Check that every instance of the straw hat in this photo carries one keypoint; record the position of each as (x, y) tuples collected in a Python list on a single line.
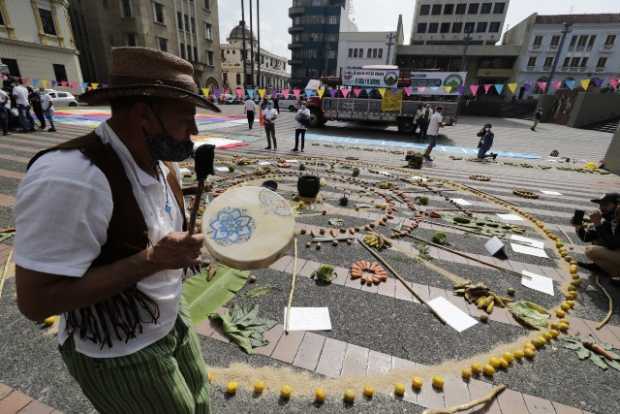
[(139, 71)]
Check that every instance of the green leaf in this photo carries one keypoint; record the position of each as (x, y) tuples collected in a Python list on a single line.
[(572, 346), (324, 274), (598, 361), (204, 297), (529, 314), (243, 326), (261, 291), (583, 353), (614, 365)]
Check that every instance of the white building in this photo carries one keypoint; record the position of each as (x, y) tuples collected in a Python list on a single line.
[(591, 49), (274, 70), (359, 49), (448, 22), (36, 40)]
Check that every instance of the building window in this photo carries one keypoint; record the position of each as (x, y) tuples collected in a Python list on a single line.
[(584, 62), (575, 62), (445, 28), (196, 58), (609, 42), (482, 27), (582, 41), (60, 72), (421, 27), (186, 18), (208, 4), (375, 53), (548, 62), (158, 13), (425, 10), (432, 28), (193, 25), (380, 53), (555, 41), (494, 27), (448, 9), (126, 8), (436, 11), (182, 50), (189, 53), (573, 41), (355, 53), (131, 39), (1, 19), (12, 65), (499, 8), (238, 79), (592, 41), (369, 53), (469, 27), (602, 62), (163, 44), (461, 8), (47, 21), (360, 53), (486, 8), (457, 27), (350, 52), (210, 58), (566, 62), (179, 20), (473, 8), (531, 62), (209, 31), (538, 41)]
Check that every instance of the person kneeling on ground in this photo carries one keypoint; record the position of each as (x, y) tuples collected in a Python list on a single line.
[(605, 235), (486, 142)]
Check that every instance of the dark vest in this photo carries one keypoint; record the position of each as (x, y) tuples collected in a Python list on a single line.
[(127, 235)]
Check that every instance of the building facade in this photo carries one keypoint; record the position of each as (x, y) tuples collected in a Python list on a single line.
[(274, 69), (591, 49), (359, 49), (36, 40), (186, 28), (453, 22), (315, 29)]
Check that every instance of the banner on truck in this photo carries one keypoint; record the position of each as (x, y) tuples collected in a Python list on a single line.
[(437, 83), (375, 78)]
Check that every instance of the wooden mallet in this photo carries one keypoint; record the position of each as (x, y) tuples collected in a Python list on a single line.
[(204, 158)]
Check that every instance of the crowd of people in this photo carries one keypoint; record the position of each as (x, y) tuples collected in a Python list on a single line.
[(18, 103)]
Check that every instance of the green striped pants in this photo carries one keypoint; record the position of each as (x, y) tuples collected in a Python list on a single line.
[(169, 376)]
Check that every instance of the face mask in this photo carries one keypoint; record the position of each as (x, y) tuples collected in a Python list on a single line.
[(487, 129), (165, 148)]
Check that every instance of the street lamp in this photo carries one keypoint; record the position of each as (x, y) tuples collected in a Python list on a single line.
[(565, 31), (467, 40)]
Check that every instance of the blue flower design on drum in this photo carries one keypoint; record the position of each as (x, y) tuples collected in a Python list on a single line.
[(232, 226)]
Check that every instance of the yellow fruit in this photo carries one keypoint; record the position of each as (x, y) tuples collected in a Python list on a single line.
[(231, 388), (539, 342), (503, 363), (573, 269), (488, 370), (529, 353), (286, 392), (519, 354), (259, 387), (547, 336), (576, 282), (559, 244), (416, 383), (368, 392), (570, 303), (554, 333), (495, 362), (564, 325), (571, 288), (438, 382), (571, 295), (399, 390), (508, 356), (565, 306), (560, 314), (210, 377), (50, 321), (466, 374), (319, 395), (476, 368), (529, 344), (349, 396)]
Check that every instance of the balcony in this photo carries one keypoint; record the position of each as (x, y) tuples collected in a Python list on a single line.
[(295, 45), (295, 29), (607, 48), (553, 47), (296, 11), (536, 46), (600, 68)]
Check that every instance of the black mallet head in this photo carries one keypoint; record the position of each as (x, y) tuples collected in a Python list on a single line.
[(204, 158)]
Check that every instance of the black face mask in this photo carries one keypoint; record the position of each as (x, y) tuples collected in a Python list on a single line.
[(165, 148)]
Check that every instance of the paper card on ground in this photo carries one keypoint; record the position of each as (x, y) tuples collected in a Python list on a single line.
[(309, 319), (221, 169), (540, 283), (461, 202), (493, 246), (452, 314), (539, 244), (264, 163), (532, 251), (553, 193), (510, 217), (292, 161)]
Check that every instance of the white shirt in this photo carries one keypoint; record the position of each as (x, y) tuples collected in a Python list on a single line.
[(270, 114), (304, 111), (4, 99), (250, 105), (50, 240), (433, 127), (46, 101), (21, 95)]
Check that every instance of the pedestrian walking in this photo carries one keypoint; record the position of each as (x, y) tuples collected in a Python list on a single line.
[(419, 113), (35, 101), (424, 121), (276, 103), (250, 110), (486, 142), (20, 93), (537, 118), (270, 115), (47, 106), (5, 111), (303, 121), (435, 123)]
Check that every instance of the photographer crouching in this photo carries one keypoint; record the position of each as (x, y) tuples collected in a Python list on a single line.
[(604, 234)]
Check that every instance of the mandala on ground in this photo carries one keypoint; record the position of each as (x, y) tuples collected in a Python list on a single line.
[(275, 204), (232, 226)]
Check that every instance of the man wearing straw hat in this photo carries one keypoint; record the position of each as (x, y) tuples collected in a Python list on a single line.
[(102, 241)]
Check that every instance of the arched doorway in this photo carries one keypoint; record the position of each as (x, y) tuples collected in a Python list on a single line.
[(211, 83)]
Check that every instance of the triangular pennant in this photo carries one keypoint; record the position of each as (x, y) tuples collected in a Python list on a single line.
[(527, 86), (542, 86), (285, 93), (556, 84), (585, 84), (571, 84), (461, 90), (487, 87), (381, 92), (251, 93), (45, 83), (83, 85), (474, 89), (239, 91), (310, 92), (499, 88), (262, 92), (368, 91), (93, 85), (435, 88), (614, 83), (408, 90), (597, 82), (297, 93), (206, 91), (320, 92), (217, 92), (512, 87), (332, 92), (35, 82), (447, 89), (26, 80), (357, 91)]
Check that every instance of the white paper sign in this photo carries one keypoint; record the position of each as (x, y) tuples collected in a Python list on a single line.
[(452, 314), (553, 193), (540, 283), (539, 244), (264, 163), (292, 161), (493, 246), (461, 202), (309, 319), (532, 251), (222, 169), (510, 217)]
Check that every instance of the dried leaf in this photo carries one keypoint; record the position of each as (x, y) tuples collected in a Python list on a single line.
[(572, 346), (243, 326), (614, 364), (583, 353), (598, 361), (529, 314)]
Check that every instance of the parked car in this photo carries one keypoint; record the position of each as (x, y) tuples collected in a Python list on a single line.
[(289, 102), (62, 98)]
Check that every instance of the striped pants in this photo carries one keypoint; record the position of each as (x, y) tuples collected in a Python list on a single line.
[(168, 377)]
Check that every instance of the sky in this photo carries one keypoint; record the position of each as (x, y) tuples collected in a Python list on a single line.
[(275, 21)]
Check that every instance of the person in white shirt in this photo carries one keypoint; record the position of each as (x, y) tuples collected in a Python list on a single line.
[(5, 108), (303, 120), (250, 110), (270, 115), (20, 92), (436, 122), (47, 106)]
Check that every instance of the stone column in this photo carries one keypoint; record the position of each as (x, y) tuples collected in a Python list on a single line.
[(612, 159)]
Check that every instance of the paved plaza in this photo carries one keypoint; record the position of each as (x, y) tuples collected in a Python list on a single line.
[(381, 334)]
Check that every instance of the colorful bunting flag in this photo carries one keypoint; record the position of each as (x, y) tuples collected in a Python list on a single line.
[(499, 88), (542, 86), (598, 82), (487, 87), (614, 83), (422, 89), (93, 85), (408, 91), (461, 90), (512, 87), (262, 92), (571, 84), (474, 89), (297, 93), (357, 91), (368, 91), (251, 93), (285, 92), (585, 84), (310, 92), (217, 92), (206, 91), (556, 84), (239, 91), (345, 91), (382, 92)]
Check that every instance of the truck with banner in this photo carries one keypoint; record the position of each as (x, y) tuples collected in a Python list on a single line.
[(377, 94)]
